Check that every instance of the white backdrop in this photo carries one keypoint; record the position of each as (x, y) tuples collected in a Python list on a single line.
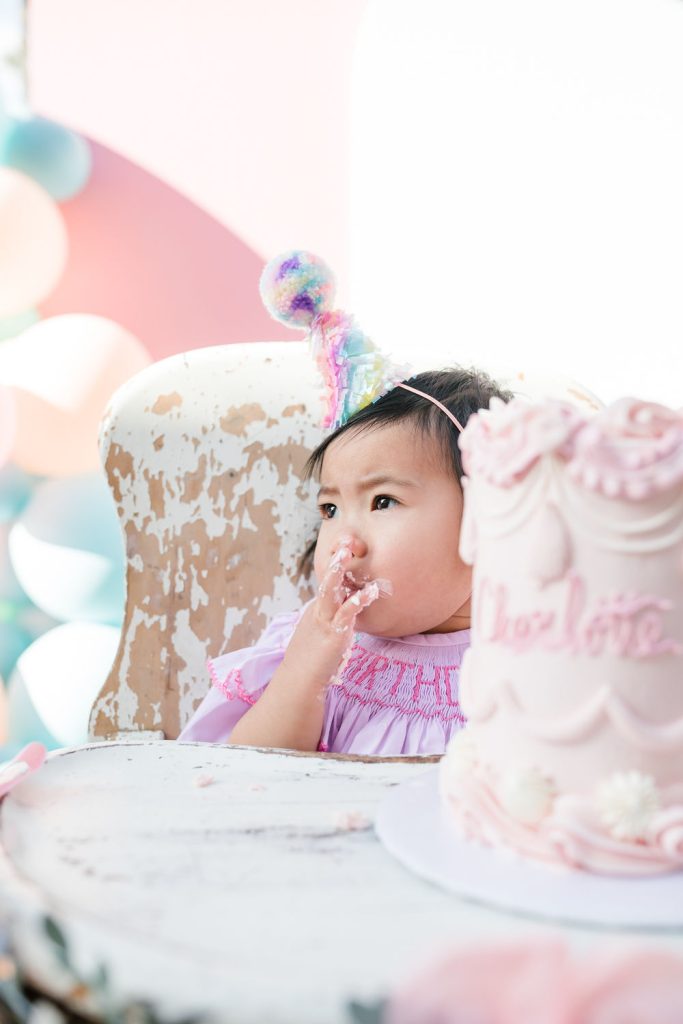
[(517, 186)]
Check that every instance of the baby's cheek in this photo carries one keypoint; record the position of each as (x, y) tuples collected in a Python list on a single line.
[(318, 570)]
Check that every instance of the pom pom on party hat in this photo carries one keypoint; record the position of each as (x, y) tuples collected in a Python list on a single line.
[(298, 289)]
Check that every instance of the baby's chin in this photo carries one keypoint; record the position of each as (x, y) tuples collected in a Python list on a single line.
[(378, 621)]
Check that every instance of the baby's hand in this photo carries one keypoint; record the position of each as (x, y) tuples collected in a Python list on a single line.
[(325, 633), (340, 597)]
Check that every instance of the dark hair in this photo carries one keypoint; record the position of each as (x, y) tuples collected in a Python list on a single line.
[(463, 392)]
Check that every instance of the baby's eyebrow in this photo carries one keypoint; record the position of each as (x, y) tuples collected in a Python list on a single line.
[(380, 479), (368, 483), (327, 491)]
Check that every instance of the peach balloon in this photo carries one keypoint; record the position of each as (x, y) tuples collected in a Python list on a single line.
[(7, 424), (62, 372), (34, 243), (3, 713)]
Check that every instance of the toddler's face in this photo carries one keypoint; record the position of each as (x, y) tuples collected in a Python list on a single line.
[(388, 495)]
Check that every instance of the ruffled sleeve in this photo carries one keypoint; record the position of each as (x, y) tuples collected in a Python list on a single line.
[(237, 681)]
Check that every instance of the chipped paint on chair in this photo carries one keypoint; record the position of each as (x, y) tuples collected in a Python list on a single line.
[(204, 454)]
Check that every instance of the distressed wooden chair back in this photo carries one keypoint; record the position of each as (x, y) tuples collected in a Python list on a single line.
[(204, 454)]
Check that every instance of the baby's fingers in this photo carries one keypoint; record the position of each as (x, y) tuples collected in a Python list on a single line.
[(346, 616), (332, 592)]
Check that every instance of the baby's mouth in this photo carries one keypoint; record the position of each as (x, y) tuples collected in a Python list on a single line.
[(351, 585)]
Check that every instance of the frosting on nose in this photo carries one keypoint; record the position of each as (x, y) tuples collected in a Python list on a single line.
[(347, 544)]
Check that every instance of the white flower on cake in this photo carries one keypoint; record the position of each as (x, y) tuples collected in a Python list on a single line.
[(527, 795), (627, 802), (460, 759)]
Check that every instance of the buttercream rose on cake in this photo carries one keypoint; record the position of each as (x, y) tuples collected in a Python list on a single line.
[(501, 443), (632, 449)]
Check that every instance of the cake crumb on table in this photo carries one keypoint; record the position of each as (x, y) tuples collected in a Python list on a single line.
[(200, 781), (352, 821)]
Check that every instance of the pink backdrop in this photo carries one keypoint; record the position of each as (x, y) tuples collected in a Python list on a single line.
[(223, 136), (150, 259)]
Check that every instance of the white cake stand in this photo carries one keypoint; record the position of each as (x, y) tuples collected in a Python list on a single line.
[(413, 826)]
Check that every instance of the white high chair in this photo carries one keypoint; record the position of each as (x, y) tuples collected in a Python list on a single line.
[(204, 454)]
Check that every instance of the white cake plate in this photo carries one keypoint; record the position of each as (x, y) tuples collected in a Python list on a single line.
[(413, 826)]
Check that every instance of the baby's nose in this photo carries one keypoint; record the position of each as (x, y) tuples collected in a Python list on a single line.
[(352, 543)]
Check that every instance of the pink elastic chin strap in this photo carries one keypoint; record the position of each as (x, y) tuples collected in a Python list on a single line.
[(434, 401)]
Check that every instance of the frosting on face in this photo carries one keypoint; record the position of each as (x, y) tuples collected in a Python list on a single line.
[(631, 449)]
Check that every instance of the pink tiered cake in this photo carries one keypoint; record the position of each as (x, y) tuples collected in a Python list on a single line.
[(573, 686)]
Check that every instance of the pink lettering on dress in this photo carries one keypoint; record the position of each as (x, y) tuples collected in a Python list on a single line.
[(402, 666), (450, 698), (375, 680), (370, 670), (420, 681)]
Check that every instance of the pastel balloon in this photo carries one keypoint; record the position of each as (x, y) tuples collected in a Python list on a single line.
[(10, 326), (24, 724), (34, 243), (34, 621), (62, 673), (14, 639), (55, 157), (3, 712), (8, 423), (15, 491), (64, 371), (10, 589), (67, 550)]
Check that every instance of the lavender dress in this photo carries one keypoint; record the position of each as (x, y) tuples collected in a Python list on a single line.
[(395, 696)]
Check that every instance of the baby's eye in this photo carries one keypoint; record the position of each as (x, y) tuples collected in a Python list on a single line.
[(327, 510), (382, 501)]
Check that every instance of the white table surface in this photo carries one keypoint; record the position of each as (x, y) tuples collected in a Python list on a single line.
[(249, 898)]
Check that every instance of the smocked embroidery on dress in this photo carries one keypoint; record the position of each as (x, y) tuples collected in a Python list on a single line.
[(395, 695), (402, 686)]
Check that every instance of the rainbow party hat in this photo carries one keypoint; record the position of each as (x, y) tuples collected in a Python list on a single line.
[(298, 290)]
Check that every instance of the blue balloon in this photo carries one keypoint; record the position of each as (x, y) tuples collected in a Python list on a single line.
[(12, 595), (67, 550), (13, 641), (15, 491), (52, 155), (24, 724), (63, 672)]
